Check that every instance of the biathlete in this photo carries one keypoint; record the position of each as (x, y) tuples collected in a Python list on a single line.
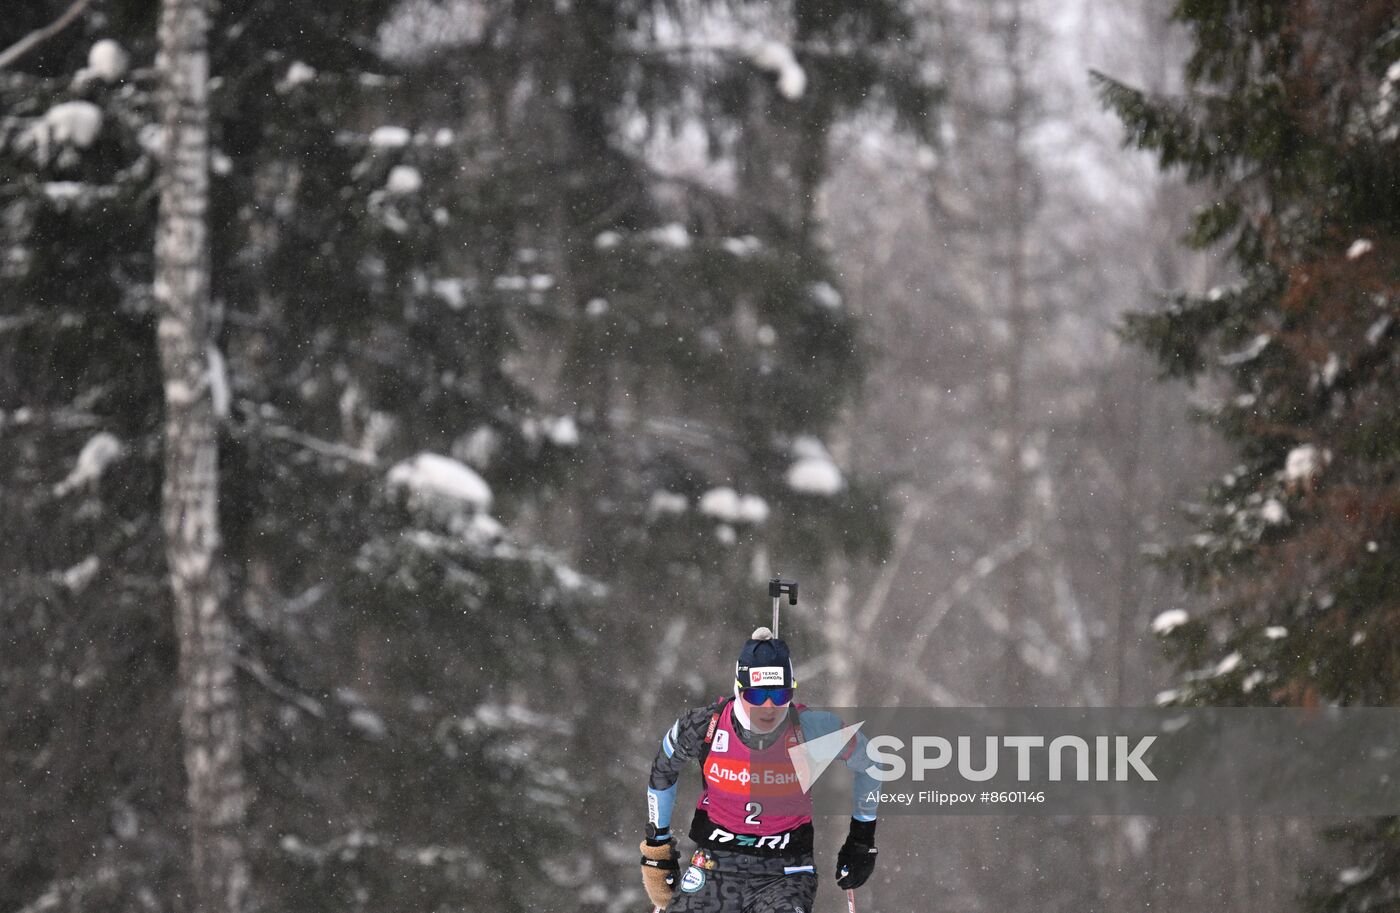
[(753, 822)]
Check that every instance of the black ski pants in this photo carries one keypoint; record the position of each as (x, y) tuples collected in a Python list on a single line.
[(723, 881)]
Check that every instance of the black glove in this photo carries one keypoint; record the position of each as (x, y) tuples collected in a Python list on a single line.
[(856, 861)]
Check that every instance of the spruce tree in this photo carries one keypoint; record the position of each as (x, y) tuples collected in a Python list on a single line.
[(383, 608), (691, 330), (1292, 117)]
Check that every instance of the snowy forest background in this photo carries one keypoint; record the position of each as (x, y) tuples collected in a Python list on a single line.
[(540, 334)]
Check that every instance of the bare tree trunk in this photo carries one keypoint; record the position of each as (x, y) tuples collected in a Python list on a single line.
[(837, 634), (190, 518), (1018, 607)]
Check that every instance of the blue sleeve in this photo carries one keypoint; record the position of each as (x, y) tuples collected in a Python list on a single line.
[(660, 803), (865, 799), (865, 789)]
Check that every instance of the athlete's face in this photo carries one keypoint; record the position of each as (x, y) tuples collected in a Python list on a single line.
[(764, 717)]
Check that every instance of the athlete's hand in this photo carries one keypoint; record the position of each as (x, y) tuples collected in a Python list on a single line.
[(856, 861), (659, 867)]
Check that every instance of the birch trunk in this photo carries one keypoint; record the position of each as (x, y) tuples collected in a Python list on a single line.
[(189, 513)]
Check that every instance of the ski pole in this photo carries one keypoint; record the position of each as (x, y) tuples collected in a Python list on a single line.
[(850, 892)]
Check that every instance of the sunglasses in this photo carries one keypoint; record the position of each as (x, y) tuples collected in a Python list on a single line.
[(780, 697)]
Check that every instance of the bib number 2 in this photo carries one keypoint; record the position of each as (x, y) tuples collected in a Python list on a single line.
[(754, 810)]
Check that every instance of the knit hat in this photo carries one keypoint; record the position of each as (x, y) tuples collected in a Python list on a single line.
[(764, 663)]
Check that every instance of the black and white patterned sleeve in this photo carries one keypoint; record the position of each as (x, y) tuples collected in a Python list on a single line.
[(680, 746)]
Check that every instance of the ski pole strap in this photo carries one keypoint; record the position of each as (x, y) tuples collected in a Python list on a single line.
[(670, 865)]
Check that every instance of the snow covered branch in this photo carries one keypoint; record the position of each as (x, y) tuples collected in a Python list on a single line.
[(258, 672), (880, 592), (333, 449), (981, 568), (38, 36)]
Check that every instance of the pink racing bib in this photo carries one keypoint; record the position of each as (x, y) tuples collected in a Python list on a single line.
[(753, 793)]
